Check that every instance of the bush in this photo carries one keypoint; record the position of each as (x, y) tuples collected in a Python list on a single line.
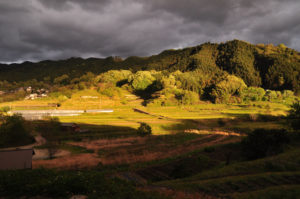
[(187, 97), (271, 95), (4, 109), (253, 94), (44, 183), (13, 132), (262, 142), (109, 90), (144, 129), (286, 94), (141, 80), (230, 86), (294, 116)]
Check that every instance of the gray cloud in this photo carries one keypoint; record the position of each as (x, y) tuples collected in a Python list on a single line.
[(57, 29)]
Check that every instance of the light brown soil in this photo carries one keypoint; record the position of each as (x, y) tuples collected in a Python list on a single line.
[(124, 155)]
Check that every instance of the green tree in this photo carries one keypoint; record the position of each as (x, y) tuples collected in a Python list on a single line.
[(13, 132), (141, 80), (114, 76), (188, 97), (229, 86), (294, 115), (144, 129), (51, 131), (61, 80), (253, 94)]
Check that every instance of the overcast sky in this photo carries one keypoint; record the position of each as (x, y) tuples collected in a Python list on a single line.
[(56, 29)]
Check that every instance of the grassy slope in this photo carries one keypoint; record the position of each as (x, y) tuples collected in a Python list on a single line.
[(248, 179)]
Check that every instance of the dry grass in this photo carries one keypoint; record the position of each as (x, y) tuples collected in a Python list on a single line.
[(108, 143), (79, 161), (130, 150), (216, 132)]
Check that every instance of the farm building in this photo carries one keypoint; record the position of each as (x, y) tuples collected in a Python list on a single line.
[(16, 159)]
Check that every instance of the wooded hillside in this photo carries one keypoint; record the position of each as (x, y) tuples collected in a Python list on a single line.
[(267, 66)]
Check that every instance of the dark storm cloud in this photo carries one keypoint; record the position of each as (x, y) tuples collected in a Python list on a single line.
[(56, 29)]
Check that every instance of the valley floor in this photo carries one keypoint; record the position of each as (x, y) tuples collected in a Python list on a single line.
[(193, 152)]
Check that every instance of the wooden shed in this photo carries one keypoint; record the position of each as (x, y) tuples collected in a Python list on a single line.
[(16, 159)]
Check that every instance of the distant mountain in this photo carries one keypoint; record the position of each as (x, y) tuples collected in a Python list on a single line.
[(272, 67)]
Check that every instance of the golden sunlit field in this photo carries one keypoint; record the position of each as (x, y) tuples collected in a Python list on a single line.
[(193, 152)]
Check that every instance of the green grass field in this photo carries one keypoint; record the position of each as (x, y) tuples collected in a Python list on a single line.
[(202, 162)]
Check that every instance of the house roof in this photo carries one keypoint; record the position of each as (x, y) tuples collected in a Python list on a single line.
[(17, 149)]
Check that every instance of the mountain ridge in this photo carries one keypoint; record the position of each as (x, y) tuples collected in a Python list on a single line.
[(268, 66)]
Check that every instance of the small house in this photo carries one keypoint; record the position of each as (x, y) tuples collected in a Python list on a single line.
[(28, 89), (16, 159)]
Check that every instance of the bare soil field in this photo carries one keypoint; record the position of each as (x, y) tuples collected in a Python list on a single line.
[(129, 150)]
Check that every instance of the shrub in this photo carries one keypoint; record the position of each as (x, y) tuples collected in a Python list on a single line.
[(144, 129), (294, 115), (286, 94), (44, 183), (13, 132), (188, 97), (262, 142), (109, 90), (253, 94), (81, 86), (4, 109), (271, 95), (62, 98)]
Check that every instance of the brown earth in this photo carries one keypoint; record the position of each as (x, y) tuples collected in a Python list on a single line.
[(80, 161), (129, 150)]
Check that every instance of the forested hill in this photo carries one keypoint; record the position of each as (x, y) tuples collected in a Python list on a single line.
[(268, 66)]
